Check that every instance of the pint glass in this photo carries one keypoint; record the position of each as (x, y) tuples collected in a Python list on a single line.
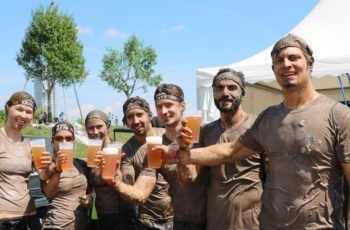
[(154, 157), (67, 148), (38, 147), (94, 146), (111, 156), (194, 122)]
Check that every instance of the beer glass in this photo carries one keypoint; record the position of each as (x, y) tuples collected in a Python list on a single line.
[(68, 149), (94, 146), (111, 156), (154, 157), (194, 122), (38, 147)]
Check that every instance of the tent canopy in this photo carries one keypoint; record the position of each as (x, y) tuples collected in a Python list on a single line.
[(326, 29)]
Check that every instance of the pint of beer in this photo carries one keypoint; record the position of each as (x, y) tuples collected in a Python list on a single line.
[(38, 147), (94, 146), (68, 149), (154, 157), (111, 155), (194, 122)]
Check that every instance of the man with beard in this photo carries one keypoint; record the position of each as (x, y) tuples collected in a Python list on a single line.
[(188, 201), (156, 212), (235, 188), (306, 140)]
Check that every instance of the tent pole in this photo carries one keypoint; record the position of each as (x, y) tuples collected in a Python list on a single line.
[(342, 90)]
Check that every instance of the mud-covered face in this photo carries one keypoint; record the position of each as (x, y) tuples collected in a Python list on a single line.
[(96, 128), (19, 116), (291, 68), (227, 96), (138, 121), (169, 111)]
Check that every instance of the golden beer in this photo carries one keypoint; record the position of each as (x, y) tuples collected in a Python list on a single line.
[(111, 155), (194, 123), (67, 148), (37, 152), (38, 147), (93, 147), (154, 157)]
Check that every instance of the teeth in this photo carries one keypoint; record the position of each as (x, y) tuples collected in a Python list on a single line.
[(287, 74)]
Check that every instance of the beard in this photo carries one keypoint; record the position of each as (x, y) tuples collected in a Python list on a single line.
[(288, 84), (236, 102)]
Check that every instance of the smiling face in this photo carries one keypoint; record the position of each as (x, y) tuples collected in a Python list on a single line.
[(96, 128), (291, 68), (227, 95), (19, 116), (169, 111), (138, 121)]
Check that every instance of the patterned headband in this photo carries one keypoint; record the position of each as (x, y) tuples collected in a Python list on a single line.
[(162, 95), (26, 102), (62, 126)]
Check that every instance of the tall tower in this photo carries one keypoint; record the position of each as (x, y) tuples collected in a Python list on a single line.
[(40, 97)]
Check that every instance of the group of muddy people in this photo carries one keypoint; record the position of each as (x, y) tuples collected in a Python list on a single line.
[(286, 168)]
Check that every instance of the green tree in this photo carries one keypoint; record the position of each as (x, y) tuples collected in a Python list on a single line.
[(2, 117), (131, 69), (51, 51)]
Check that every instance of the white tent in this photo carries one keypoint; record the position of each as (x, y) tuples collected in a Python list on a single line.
[(326, 28)]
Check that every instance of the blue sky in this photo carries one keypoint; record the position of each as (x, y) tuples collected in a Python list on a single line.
[(186, 35)]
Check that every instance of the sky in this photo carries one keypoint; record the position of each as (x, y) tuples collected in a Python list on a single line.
[(186, 35)]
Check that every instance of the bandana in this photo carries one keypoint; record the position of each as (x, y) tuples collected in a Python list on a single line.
[(62, 126), (26, 102), (291, 41), (162, 95), (229, 76), (136, 103), (97, 114)]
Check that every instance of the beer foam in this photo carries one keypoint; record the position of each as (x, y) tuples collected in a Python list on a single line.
[(157, 140), (110, 150), (67, 145), (95, 142)]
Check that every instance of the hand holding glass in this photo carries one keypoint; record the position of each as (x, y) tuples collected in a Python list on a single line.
[(154, 157), (194, 123), (38, 148), (94, 146), (68, 150), (111, 155)]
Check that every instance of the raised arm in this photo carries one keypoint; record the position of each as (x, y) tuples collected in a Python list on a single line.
[(51, 185), (216, 154), (138, 193), (45, 173)]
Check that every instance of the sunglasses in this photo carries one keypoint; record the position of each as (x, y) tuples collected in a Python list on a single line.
[(61, 138)]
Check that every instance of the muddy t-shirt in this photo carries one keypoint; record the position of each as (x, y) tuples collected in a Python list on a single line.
[(305, 148), (157, 207), (15, 168), (64, 211), (235, 189), (188, 201)]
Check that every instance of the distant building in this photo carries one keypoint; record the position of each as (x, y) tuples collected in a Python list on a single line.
[(41, 98)]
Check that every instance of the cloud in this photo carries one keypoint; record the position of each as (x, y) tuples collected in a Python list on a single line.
[(85, 30), (175, 29), (115, 33)]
